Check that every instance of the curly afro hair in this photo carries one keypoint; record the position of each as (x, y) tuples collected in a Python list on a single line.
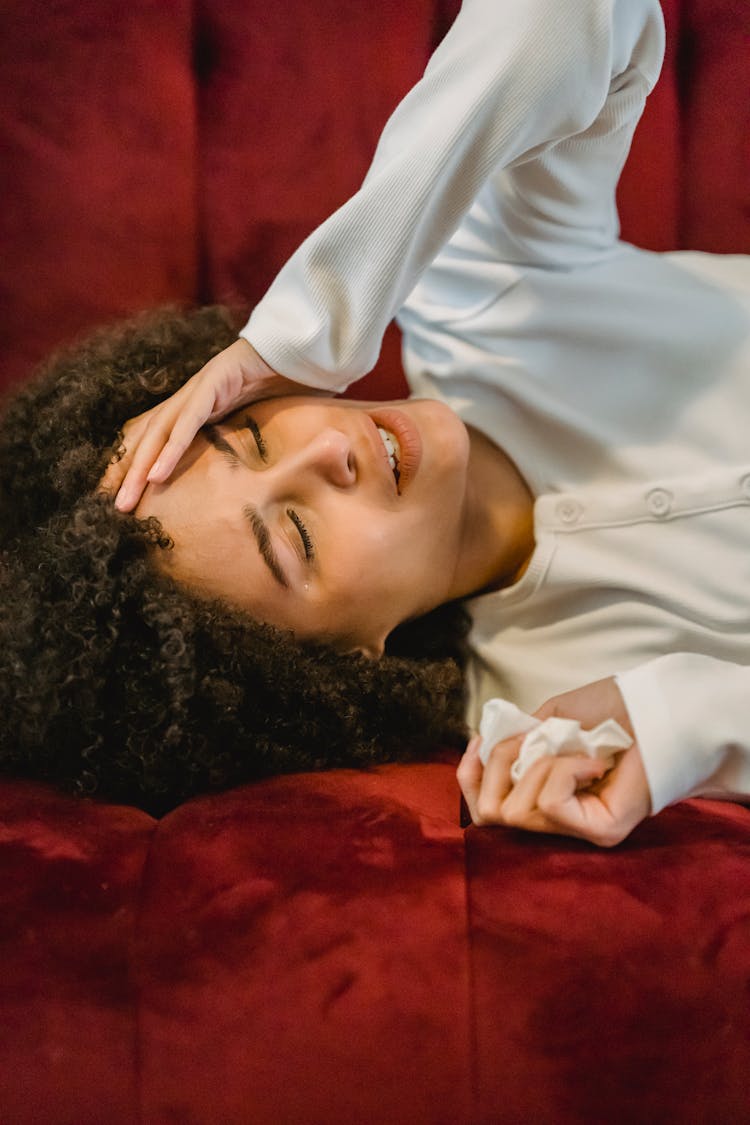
[(116, 681)]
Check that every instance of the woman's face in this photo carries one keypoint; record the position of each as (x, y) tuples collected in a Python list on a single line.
[(291, 509)]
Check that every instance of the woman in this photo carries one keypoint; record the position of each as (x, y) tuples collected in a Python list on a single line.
[(488, 218)]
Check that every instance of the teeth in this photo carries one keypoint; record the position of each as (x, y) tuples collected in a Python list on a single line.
[(392, 449)]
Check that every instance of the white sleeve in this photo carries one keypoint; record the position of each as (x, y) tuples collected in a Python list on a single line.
[(509, 80), (691, 717)]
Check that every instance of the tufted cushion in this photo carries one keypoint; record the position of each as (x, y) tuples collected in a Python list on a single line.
[(333, 949)]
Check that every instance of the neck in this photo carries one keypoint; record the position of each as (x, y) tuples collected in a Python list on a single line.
[(498, 533)]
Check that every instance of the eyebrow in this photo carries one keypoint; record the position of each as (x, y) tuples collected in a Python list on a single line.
[(263, 538), (223, 446), (258, 526)]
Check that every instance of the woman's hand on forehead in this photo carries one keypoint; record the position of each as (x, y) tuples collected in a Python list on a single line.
[(154, 442)]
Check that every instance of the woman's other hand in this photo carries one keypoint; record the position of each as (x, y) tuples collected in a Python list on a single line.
[(567, 795), (155, 441)]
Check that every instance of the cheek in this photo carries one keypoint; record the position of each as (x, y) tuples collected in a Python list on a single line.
[(367, 552), (359, 555), (383, 560)]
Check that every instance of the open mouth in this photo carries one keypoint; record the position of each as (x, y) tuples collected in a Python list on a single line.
[(393, 451), (401, 442)]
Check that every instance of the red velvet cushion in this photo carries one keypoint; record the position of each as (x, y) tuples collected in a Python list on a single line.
[(70, 874), (613, 986), (333, 949)]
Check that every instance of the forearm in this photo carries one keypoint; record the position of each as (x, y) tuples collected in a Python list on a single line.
[(508, 81)]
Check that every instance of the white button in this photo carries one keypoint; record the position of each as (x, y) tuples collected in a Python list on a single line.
[(659, 502), (745, 485), (569, 511)]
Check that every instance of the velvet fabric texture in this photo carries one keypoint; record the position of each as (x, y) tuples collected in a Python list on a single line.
[(181, 150), (334, 948)]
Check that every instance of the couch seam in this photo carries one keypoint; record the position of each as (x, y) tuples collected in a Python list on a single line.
[(137, 978), (203, 291), (471, 1009)]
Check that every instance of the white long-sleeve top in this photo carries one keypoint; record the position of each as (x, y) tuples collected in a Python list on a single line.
[(616, 379)]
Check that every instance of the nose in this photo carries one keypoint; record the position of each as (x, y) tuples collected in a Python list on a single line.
[(329, 455)]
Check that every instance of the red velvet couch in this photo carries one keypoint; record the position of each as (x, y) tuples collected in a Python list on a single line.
[(333, 948)]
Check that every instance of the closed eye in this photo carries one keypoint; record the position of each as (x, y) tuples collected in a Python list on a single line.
[(228, 452), (303, 534), (254, 429)]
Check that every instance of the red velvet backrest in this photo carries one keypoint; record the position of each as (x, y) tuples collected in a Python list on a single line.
[(687, 182), (181, 150), (97, 168)]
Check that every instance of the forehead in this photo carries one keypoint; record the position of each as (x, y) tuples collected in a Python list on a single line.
[(207, 510), (202, 508)]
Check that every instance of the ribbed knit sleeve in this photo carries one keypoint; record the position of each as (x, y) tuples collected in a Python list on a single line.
[(509, 80), (690, 717)]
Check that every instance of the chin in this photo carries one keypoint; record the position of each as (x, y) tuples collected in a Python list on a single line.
[(447, 434)]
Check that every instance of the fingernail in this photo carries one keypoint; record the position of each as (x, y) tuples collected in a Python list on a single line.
[(122, 498), (154, 470)]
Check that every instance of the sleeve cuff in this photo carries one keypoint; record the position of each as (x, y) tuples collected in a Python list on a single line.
[(274, 348), (654, 731), (690, 718)]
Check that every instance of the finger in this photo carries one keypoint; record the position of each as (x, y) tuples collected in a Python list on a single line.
[(140, 462), (496, 780), (114, 475), (560, 798), (469, 774), (150, 449), (548, 798), (520, 802), (624, 800), (192, 417), (123, 456)]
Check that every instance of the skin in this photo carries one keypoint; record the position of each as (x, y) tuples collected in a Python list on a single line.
[(569, 795), (379, 553)]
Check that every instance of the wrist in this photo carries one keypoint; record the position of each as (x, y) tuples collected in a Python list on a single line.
[(260, 381)]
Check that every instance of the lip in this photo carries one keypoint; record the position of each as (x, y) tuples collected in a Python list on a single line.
[(380, 455), (410, 443)]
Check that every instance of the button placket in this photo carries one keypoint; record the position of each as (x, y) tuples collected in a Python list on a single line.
[(568, 511), (659, 502)]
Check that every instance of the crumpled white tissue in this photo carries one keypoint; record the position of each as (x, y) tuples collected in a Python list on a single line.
[(549, 737)]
